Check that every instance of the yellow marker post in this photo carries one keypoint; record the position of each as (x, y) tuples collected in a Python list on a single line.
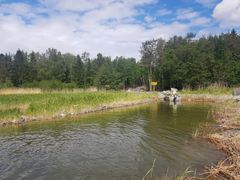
[(154, 84)]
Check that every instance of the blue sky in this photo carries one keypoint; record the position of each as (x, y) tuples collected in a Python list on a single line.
[(112, 27)]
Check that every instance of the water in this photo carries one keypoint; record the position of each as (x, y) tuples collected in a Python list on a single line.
[(119, 144)]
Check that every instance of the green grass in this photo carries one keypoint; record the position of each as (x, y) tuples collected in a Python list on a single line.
[(210, 90), (48, 104)]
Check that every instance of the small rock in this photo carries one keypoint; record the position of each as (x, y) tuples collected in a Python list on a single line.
[(62, 115), (236, 92)]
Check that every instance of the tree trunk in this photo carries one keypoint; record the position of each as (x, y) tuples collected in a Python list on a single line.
[(150, 78)]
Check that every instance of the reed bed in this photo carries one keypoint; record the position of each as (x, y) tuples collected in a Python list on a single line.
[(44, 104), (226, 136), (6, 91), (211, 90), (230, 167)]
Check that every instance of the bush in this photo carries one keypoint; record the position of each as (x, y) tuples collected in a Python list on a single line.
[(6, 84), (50, 84)]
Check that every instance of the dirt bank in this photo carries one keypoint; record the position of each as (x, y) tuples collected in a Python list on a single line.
[(26, 119), (225, 135)]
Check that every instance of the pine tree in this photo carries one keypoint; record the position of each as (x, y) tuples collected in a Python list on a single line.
[(18, 69), (78, 72)]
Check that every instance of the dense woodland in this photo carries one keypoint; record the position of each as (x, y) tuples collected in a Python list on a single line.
[(180, 62)]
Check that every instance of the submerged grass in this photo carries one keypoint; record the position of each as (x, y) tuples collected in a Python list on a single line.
[(51, 103)]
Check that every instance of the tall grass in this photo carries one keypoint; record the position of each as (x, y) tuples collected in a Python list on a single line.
[(50, 103), (211, 90), (5, 91)]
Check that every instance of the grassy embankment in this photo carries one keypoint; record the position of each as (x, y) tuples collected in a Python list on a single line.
[(210, 94), (18, 106), (226, 134)]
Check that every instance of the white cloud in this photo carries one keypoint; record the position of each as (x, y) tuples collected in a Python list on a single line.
[(193, 17), (200, 21), (86, 5), (74, 5), (164, 12), (227, 13), (149, 19), (186, 14), (207, 3), (18, 9), (108, 27)]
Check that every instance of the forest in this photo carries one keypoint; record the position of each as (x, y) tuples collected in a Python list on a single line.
[(180, 62)]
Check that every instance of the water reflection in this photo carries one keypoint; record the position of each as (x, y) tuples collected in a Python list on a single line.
[(118, 144)]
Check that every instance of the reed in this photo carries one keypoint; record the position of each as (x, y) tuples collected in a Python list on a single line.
[(211, 90), (13, 106), (226, 137), (5, 91)]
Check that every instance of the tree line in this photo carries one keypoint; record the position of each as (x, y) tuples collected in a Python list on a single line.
[(56, 70), (187, 62), (180, 62)]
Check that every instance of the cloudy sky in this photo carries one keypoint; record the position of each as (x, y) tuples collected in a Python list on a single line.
[(112, 27)]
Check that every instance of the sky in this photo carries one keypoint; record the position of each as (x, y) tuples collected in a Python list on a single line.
[(111, 27)]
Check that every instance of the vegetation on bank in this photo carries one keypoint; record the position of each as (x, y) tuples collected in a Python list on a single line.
[(225, 135), (211, 90), (227, 138), (48, 104)]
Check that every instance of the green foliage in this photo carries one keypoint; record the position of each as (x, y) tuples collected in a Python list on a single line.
[(211, 90), (180, 62), (50, 84), (6, 84), (78, 72), (10, 113), (51, 103), (18, 68), (183, 62)]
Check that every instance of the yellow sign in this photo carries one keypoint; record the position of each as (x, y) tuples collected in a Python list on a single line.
[(153, 83)]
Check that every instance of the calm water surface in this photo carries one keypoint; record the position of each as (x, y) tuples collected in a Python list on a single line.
[(119, 144)]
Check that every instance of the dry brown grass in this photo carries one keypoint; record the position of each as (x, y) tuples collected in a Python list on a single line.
[(226, 136), (230, 167), (6, 91), (205, 98)]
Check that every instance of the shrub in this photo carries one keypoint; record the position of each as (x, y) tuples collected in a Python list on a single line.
[(6, 84), (50, 84)]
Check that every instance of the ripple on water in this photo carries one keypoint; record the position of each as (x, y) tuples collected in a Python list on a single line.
[(118, 144)]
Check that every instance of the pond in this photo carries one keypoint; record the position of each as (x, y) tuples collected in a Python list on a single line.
[(117, 144)]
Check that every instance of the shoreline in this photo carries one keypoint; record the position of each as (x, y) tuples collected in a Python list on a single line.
[(103, 107), (225, 135)]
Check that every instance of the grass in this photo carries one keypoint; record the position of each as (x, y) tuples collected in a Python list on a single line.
[(13, 106), (211, 90), (149, 172), (185, 175), (226, 136), (5, 91)]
